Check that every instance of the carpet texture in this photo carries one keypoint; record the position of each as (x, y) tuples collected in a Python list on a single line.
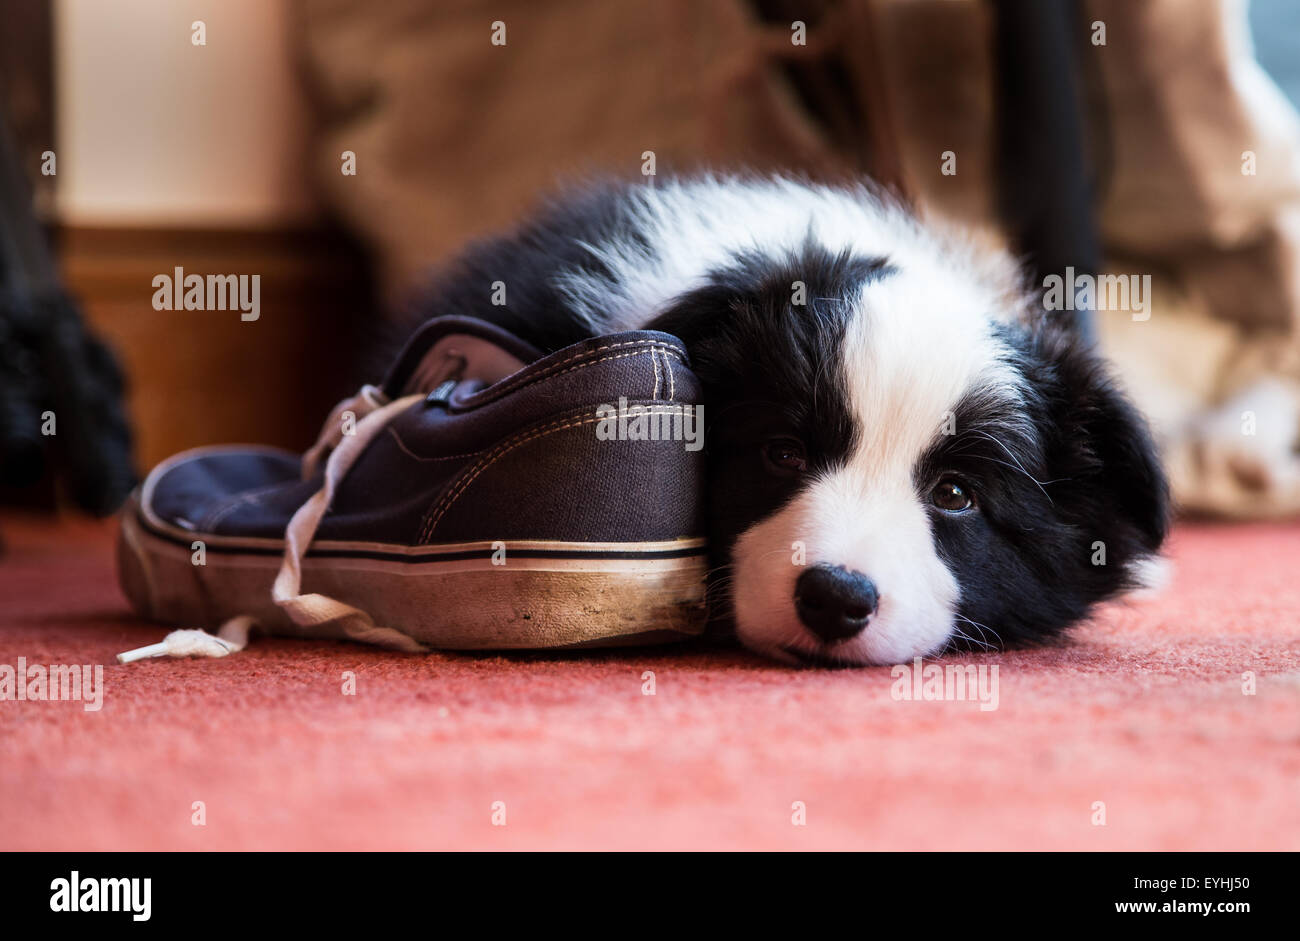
[(1144, 712)]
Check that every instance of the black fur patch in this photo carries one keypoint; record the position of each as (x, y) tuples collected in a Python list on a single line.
[(1067, 480)]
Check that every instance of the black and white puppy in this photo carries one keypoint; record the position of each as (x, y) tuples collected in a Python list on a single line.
[(903, 456)]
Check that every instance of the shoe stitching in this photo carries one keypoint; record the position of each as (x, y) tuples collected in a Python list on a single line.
[(492, 392), (492, 457), (411, 454), (501, 388), (660, 348), (439, 509), (215, 516)]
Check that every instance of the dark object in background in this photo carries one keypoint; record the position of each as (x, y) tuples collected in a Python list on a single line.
[(51, 369), (1045, 190)]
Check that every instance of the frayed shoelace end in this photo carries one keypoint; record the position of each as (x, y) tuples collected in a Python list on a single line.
[(338, 451), (195, 643)]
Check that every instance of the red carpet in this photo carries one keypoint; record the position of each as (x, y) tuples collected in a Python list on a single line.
[(1144, 712)]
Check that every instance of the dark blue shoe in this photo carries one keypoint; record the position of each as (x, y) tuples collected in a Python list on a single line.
[(483, 497)]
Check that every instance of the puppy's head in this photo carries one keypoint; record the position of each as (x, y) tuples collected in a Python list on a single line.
[(898, 465)]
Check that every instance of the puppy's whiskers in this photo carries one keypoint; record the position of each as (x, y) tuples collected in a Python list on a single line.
[(983, 630)]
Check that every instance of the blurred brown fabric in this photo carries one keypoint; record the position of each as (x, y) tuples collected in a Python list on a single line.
[(456, 137), (1176, 107)]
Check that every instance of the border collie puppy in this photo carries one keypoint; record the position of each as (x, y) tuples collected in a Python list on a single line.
[(904, 455)]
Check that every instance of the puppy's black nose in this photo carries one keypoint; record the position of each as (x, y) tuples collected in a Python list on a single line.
[(833, 602)]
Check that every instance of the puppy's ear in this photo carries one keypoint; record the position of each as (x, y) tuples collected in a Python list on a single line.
[(1102, 451)]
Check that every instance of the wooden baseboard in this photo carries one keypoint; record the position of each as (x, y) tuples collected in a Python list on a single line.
[(200, 377)]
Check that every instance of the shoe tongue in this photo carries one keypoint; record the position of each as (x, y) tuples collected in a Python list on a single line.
[(460, 348)]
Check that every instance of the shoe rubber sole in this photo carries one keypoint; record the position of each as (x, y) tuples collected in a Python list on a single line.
[(466, 596)]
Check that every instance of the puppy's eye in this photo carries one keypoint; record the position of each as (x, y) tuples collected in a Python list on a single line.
[(952, 496), (786, 456)]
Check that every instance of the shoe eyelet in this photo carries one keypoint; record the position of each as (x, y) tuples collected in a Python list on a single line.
[(441, 395)]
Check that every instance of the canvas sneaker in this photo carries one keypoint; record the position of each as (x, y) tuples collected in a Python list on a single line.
[(483, 496)]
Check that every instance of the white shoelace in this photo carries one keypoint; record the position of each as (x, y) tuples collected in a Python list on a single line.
[(373, 412)]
